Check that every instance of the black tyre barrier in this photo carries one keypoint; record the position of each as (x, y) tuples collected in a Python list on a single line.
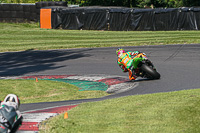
[(20, 14), (11, 14), (5, 7), (27, 15), (5, 14), (26, 8), (29, 8), (60, 3), (51, 3), (37, 17), (33, 17), (16, 7), (13, 20), (37, 11), (44, 4), (32, 8), (1, 14), (1, 7), (38, 5)]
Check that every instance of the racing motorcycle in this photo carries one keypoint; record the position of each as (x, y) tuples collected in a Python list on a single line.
[(144, 67)]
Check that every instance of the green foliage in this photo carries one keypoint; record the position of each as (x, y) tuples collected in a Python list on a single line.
[(18, 1), (144, 3), (191, 3), (174, 3)]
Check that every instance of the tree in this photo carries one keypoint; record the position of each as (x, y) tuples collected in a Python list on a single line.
[(191, 3), (142, 3)]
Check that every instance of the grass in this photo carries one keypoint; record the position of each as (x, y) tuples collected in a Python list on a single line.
[(30, 91), (22, 36), (173, 112)]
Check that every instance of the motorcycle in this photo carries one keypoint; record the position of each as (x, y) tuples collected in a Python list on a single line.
[(144, 67)]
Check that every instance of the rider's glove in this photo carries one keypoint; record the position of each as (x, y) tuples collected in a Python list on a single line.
[(135, 53)]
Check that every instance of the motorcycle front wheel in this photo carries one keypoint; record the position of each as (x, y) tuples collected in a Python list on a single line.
[(150, 72)]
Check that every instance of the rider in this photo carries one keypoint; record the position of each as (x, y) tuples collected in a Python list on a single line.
[(10, 116), (125, 61)]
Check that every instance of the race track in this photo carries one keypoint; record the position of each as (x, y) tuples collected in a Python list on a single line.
[(178, 65)]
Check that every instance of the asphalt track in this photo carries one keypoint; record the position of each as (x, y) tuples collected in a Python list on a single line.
[(178, 65)]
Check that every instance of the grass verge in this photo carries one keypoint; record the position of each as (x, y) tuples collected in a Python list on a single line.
[(30, 91), (22, 36), (162, 112)]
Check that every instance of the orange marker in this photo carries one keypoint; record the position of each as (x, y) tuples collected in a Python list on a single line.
[(36, 79), (65, 115)]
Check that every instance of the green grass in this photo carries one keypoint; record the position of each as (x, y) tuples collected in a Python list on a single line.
[(30, 91), (173, 112), (20, 37)]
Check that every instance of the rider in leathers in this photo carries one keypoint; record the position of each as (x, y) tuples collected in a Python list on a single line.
[(10, 116), (125, 61)]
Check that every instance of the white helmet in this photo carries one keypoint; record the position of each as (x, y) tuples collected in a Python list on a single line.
[(13, 99)]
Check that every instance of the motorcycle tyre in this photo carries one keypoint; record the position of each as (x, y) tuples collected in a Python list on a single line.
[(151, 73)]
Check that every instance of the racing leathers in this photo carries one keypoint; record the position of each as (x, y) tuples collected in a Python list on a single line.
[(10, 118), (125, 61)]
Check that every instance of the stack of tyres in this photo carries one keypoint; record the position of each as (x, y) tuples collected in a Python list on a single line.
[(17, 13), (30, 13), (4, 12), (25, 12), (61, 3), (1, 13), (11, 13), (42, 4)]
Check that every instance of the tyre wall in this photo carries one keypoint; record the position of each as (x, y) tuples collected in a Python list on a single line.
[(104, 18), (25, 12), (125, 19)]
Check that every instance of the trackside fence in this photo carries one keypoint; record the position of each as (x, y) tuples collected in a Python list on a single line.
[(60, 16)]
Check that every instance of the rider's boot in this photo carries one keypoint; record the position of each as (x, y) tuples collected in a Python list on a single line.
[(132, 75)]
